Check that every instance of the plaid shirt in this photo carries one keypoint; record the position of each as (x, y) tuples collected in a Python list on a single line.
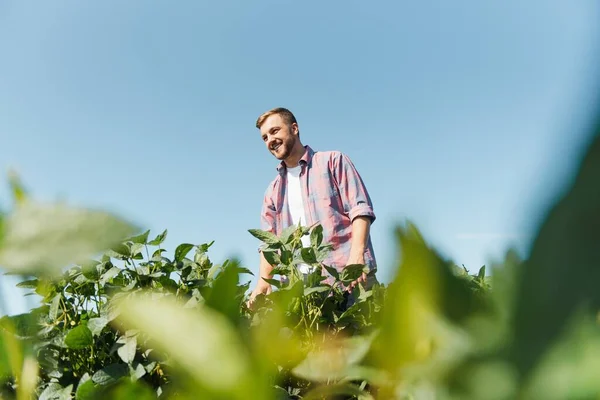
[(333, 194)]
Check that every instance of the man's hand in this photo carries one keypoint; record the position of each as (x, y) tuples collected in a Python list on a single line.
[(360, 259), (262, 287)]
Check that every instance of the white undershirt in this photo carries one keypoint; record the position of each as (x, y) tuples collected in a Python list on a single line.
[(296, 207)]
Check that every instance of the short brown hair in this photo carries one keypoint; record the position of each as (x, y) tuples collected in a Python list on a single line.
[(284, 112)]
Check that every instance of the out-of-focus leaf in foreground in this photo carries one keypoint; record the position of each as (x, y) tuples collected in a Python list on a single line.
[(202, 344), (44, 238), (416, 338), (563, 270)]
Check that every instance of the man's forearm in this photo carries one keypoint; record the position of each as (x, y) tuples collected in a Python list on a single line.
[(360, 234), (265, 268)]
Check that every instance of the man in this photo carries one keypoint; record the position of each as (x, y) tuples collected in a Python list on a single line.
[(314, 187)]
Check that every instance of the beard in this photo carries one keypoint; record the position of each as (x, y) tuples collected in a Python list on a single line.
[(284, 150)]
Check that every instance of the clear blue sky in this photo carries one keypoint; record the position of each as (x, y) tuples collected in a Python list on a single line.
[(462, 116)]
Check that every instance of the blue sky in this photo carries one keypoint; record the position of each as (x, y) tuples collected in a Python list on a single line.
[(463, 117)]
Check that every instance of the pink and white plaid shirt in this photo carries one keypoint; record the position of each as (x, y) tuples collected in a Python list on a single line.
[(333, 194)]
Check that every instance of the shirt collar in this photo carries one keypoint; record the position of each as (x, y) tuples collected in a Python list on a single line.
[(305, 159)]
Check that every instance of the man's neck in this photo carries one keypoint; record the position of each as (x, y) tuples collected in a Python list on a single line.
[(294, 158)]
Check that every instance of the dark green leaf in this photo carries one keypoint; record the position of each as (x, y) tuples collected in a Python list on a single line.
[(352, 272), (332, 271), (272, 257), (316, 236), (286, 257), (223, 295), (110, 374), (158, 240), (274, 282), (182, 250), (308, 255), (79, 337), (264, 236)]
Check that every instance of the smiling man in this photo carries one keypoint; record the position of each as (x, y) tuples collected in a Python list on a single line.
[(314, 187)]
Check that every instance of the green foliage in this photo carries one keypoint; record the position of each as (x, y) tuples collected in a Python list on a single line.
[(136, 322)]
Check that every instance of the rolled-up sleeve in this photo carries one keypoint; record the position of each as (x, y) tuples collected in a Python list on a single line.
[(352, 189)]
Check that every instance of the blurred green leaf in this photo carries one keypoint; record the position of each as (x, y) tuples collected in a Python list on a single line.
[(55, 391), (171, 328), (79, 337), (45, 238), (562, 271), (17, 188)]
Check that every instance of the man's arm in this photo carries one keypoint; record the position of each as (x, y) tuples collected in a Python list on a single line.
[(267, 223), (360, 234), (358, 204)]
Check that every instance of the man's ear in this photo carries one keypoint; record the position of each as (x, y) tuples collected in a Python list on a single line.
[(295, 128)]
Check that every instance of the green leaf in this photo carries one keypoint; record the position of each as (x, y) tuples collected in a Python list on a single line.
[(87, 390), (95, 325), (108, 275), (562, 272), (79, 337), (223, 294), (264, 236), (272, 257), (352, 272), (274, 282), (110, 374), (316, 236), (128, 347), (182, 250), (334, 360), (333, 272), (287, 234), (171, 329), (54, 306), (159, 239), (139, 239), (46, 238), (338, 390), (316, 289), (286, 257), (308, 255), (30, 284), (55, 391)]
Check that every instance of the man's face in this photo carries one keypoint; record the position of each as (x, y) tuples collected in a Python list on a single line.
[(279, 136)]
